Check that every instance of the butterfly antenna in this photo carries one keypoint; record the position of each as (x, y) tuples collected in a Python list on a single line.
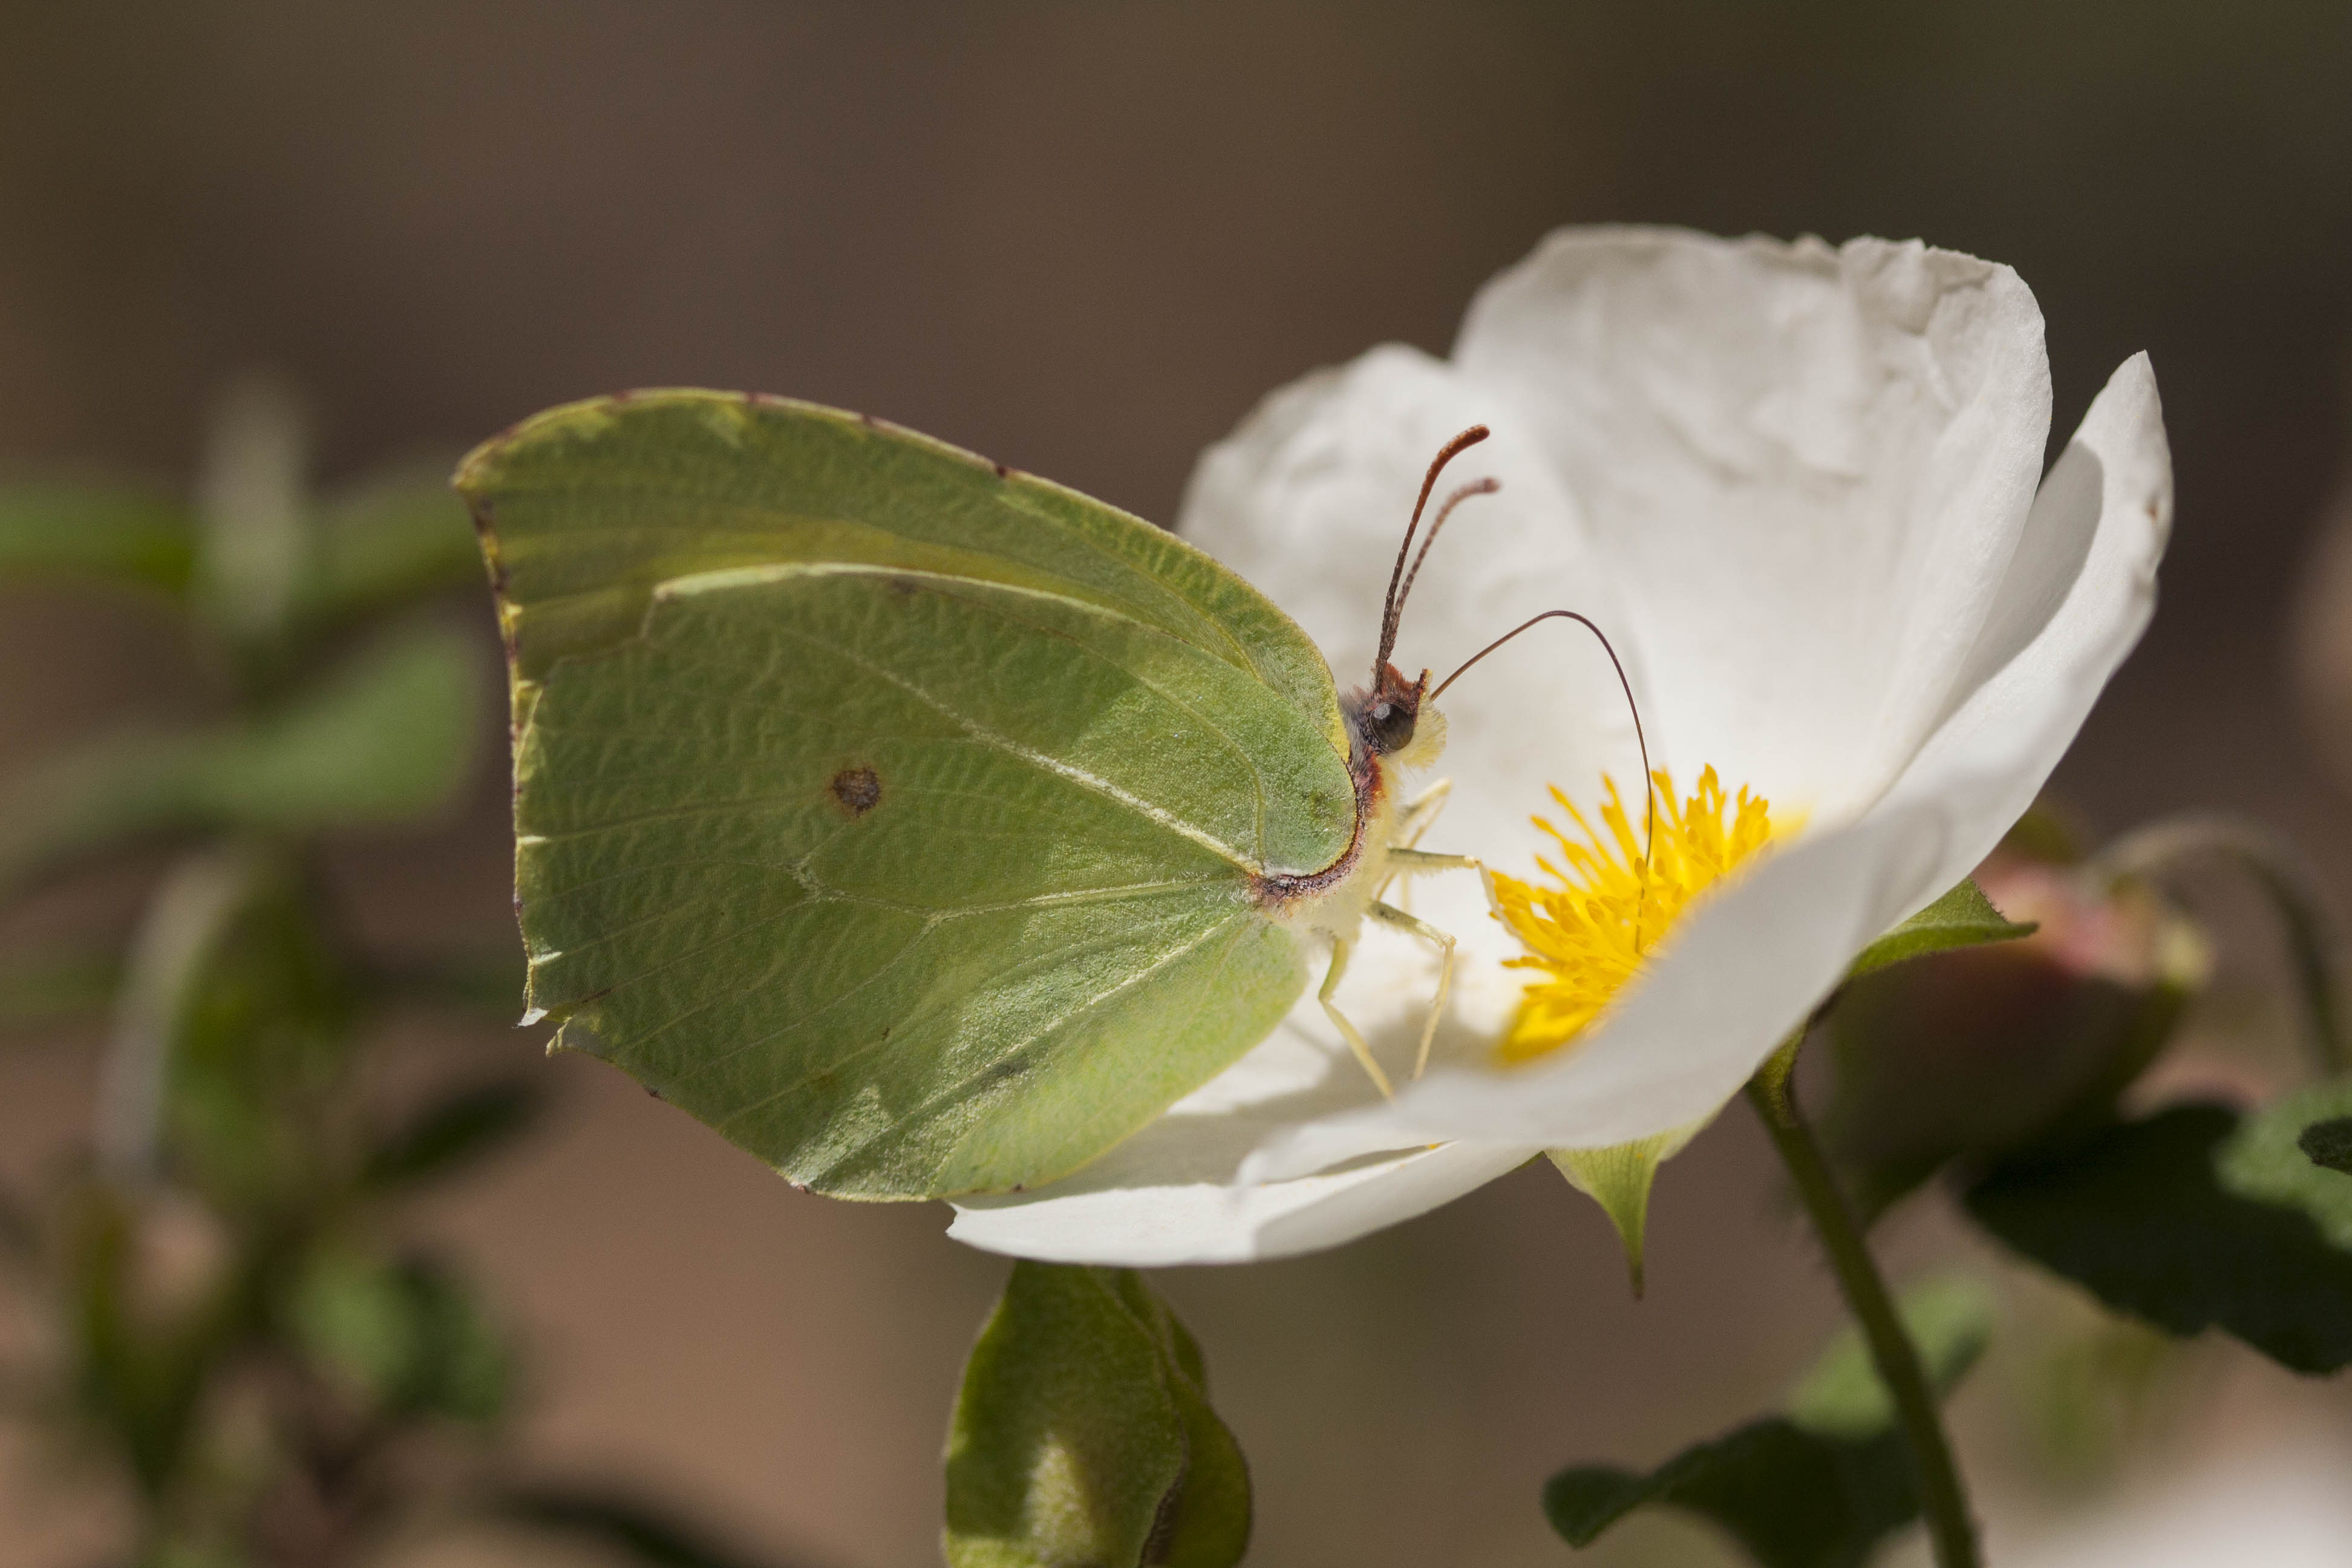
[(1474, 488), (1392, 606), (1649, 785)]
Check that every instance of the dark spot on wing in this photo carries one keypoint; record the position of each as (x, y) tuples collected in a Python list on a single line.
[(1002, 472), (903, 587), (858, 790)]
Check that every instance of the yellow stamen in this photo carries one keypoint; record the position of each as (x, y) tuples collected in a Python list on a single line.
[(1591, 933)]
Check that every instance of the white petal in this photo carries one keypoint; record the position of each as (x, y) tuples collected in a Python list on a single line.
[(2078, 595), (1804, 470), (1171, 1195)]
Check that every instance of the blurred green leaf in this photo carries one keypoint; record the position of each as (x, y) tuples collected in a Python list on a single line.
[(351, 1313), (170, 968), (41, 986), (490, 981), (386, 738), (405, 1336), (634, 1529), (2264, 1160), (139, 1373), (1950, 1320), (1792, 1498), (2136, 1214), (1819, 1488), (456, 1130), (1963, 917), (255, 1051), (100, 530), (1083, 1435), (399, 534), (2329, 1144)]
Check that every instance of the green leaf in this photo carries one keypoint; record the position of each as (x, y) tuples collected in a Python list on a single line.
[(405, 1336), (100, 531), (2329, 1144), (634, 1531), (240, 1012), (2137, 1214), (400, 534), (139, 1375), (491, 978), (1950, 1320), (451, 1133), (1963, 917), (1083, 1435), (1791, 1499), (386, 738), (1819, 1488), (2265, 1159), (1619, 1178)]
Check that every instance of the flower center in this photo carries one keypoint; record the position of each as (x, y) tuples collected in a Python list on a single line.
[(1589, 933)]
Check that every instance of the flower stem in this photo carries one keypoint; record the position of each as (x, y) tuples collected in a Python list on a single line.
[(1941, 1500)]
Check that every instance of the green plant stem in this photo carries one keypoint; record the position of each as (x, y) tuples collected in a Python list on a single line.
[(1941, 1500)]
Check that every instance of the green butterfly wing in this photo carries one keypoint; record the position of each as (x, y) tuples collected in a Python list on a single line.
[(896, 815)]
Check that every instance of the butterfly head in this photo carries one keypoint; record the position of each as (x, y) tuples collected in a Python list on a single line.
[(1396, 719)]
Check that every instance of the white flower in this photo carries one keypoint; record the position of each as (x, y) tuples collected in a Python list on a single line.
[(1798, 489)]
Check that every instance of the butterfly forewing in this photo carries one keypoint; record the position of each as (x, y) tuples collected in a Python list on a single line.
[(586, 508)]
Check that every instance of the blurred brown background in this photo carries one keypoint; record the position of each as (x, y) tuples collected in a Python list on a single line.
[(1085, 238)]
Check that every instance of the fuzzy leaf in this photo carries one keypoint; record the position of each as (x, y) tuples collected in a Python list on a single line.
[(1961, 917), (1083, 1436), (2138, 1215), (2329, 1144), (2265, 1160), (1820, 1487)]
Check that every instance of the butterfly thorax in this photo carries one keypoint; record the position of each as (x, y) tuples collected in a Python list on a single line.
[(1390, 726)]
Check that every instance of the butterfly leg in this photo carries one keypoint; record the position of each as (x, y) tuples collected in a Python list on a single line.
[(1421, 811), (1412, 862), (1389, 915), (1340, 951), (1418, 813)]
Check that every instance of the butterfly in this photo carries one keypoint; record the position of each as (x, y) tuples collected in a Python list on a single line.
[(924, 827)]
